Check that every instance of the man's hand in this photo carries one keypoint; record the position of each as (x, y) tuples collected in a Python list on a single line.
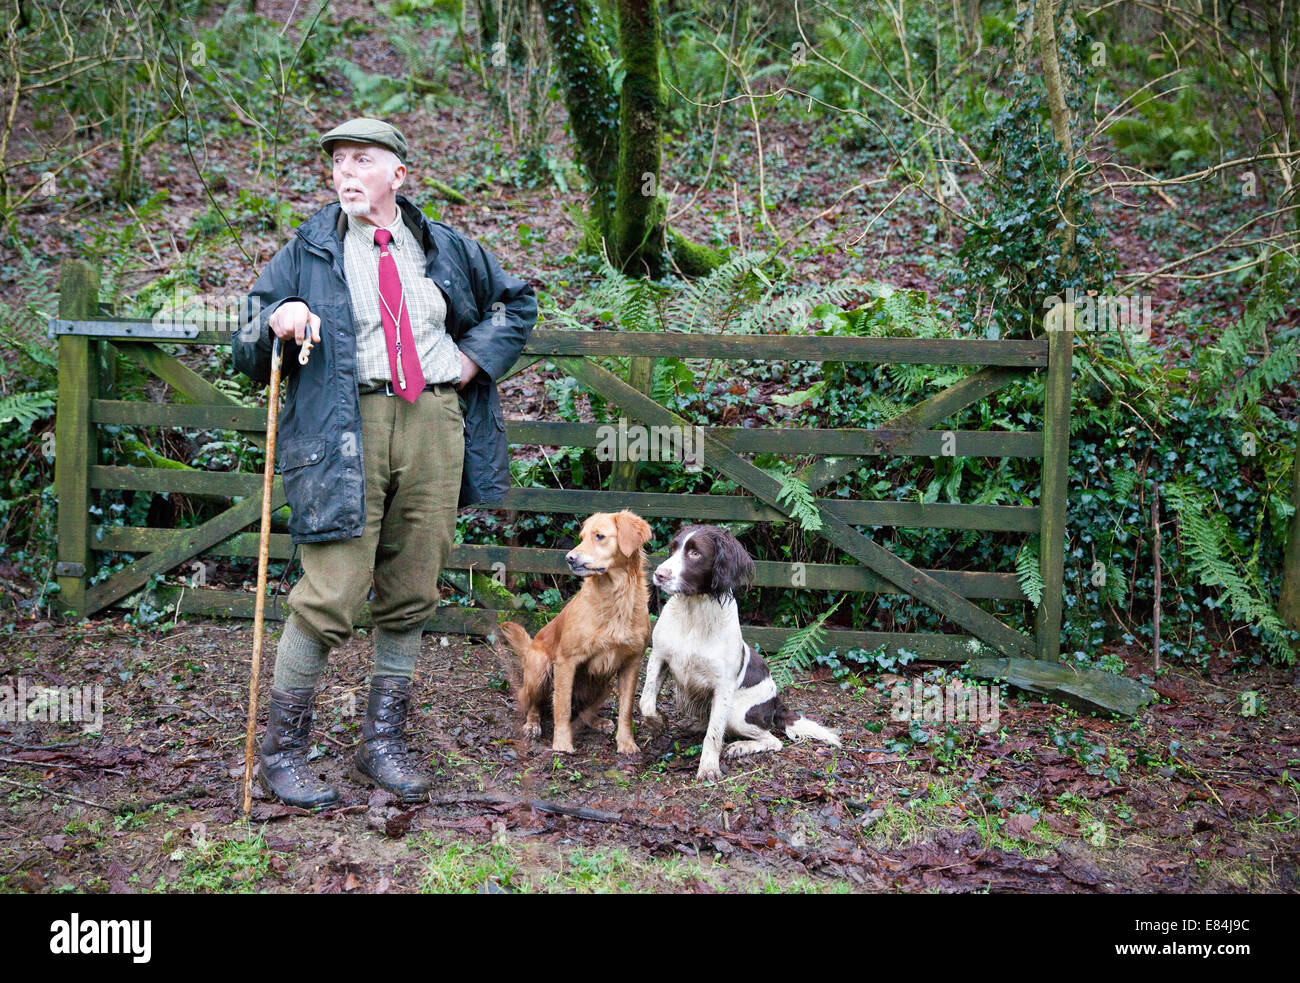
[(468, 369), (290, 321)]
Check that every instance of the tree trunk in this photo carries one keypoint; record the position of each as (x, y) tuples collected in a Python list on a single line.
[(1054, 83), (639, 209), (1282, 25), (619, 140), (589, 96)]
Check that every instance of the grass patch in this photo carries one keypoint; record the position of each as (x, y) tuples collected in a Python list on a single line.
[(461, 867), (224, 866)]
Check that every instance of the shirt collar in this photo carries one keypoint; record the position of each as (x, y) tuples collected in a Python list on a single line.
[(366, 230)]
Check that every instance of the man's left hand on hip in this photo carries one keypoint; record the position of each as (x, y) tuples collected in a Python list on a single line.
[(468, 369)]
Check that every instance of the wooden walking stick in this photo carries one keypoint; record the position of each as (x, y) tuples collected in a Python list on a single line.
[(263, 548)]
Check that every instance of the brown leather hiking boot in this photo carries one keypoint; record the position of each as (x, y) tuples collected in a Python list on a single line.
[(382, 757), (285, 771)]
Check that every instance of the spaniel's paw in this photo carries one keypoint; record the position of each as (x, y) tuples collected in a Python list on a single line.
[(709, 772)]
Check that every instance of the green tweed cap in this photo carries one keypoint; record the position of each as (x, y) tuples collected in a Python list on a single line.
[(366, 130)]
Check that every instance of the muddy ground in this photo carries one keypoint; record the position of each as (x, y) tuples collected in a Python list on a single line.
[(1196, 795)]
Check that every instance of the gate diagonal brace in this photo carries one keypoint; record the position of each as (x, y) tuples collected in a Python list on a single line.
[(189, 543)]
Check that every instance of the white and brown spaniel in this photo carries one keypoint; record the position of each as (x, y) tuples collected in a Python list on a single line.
[(722, 684)]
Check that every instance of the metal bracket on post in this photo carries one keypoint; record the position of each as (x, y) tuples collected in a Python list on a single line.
[(133, 329)]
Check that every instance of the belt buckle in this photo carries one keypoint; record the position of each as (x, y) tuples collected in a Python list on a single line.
[(388, 388)]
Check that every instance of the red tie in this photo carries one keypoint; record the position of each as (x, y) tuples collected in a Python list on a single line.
[(403, 361)]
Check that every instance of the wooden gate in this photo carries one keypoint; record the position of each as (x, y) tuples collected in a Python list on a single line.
[(88, 347)]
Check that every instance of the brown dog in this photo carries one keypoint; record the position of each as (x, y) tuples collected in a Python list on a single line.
[(600, 636)]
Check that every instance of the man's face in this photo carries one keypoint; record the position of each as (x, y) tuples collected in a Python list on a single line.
[(362, 179)]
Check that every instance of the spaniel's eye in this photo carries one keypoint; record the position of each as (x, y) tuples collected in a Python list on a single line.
[(599, 536), (694, 554)]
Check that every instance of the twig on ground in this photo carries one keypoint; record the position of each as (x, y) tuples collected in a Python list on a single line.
[(39, 747), (62, 795)]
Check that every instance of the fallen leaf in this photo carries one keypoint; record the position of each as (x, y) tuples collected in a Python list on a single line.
[(1019, 826)]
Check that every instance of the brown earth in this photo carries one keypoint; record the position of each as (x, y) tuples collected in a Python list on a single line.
[(152, 801)]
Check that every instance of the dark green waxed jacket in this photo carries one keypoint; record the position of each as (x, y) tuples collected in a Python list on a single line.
[(318, 448)]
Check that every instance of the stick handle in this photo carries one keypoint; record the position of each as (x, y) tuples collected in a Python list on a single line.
[(263, 545)]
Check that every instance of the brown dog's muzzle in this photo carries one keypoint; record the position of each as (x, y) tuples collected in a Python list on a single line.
[(579, 565)]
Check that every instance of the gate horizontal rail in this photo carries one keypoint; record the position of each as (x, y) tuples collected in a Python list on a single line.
[(1032, 354)]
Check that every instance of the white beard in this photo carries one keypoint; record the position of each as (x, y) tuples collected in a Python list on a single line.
[(356, 208)]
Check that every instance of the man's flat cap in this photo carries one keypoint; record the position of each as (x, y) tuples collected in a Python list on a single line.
[(366, 130)]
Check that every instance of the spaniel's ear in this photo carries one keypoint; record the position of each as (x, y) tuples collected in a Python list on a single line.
[(732, 566), (633, 532)]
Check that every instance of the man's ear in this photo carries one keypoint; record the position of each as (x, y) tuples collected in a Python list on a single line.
[(633, 532), (399, 176)]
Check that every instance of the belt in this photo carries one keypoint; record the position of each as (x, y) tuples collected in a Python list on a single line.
[(387, 388)]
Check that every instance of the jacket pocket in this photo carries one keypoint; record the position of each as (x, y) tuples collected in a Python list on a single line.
[(302, 452), (312, 506), (489, 392)]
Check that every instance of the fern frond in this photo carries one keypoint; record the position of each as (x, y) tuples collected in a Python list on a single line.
[(801, 648), (1230, 377), (994, 494), (1028, 574), (1124, 481), (879, 407), (1214, 555), (791, 313), (707, 304), (1278, 367), (1116, 585), (802, 504), (23, 323), (26, 408)]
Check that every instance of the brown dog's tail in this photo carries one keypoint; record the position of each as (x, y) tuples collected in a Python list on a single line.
[(517, 638)]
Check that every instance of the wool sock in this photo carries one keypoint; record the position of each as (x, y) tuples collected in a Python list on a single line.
[(395, 651), (299, 658)]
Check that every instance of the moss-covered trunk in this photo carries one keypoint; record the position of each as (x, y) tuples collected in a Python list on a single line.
[(589, 96), (639, 207), (619, 137)]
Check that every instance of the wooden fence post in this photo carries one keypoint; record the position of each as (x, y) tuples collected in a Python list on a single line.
[(1055, 486), (75, 446)]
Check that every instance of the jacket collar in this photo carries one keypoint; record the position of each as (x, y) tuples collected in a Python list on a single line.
[(326, 229)]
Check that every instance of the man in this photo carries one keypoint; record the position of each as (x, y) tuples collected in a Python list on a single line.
[(392, 424)]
